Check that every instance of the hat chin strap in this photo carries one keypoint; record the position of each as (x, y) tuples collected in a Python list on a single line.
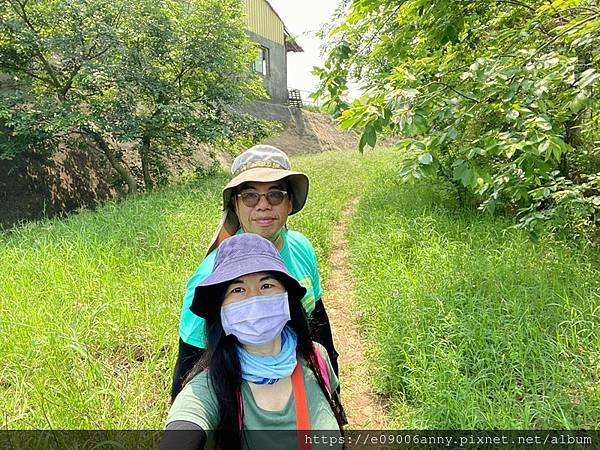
[(278, 241)]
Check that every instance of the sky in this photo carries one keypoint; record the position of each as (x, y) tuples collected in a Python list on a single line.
[(303, 18)]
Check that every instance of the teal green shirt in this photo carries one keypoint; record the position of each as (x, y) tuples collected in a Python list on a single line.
[(300, 259), (198, 404)]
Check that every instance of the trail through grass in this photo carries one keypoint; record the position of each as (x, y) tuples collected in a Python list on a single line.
[(467, 326), (89, 305), (364, 410)]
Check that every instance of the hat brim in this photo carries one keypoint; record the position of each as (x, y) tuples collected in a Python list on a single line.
[(297, 180), (208, 296)]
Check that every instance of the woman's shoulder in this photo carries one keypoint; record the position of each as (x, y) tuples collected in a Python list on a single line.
[(200, 378), (196, 403), (198, 386), (322, 353)]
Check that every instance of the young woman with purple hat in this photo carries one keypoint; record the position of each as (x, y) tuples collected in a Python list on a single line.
[(258, 199), (261, 370)]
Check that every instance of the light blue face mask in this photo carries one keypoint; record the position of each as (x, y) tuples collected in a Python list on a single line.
[(256, 320)]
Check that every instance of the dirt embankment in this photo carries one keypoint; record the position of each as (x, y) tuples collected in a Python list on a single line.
[(33, 187), (304, 131)]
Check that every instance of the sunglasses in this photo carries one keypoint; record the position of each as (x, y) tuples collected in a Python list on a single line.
[(251, 198)]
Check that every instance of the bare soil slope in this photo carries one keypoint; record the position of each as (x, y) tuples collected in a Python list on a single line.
[(33, 187)]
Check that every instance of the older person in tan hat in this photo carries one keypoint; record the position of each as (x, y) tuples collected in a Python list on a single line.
[(261, 195)]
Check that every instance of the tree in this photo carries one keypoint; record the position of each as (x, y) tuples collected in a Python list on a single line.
[(152, 72), (499, 97)]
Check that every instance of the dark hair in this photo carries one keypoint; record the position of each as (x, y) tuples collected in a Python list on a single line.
[(225, 370)]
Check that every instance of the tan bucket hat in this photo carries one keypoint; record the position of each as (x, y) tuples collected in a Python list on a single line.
[(262, 163)]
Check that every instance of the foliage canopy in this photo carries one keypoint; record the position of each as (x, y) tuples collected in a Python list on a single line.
[(497, 96), (154, 73)]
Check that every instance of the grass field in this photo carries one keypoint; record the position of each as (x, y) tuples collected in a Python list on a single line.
[(470, 325), (89, 305)]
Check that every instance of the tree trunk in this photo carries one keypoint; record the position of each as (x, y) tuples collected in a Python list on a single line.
[(123, 171), (145, 157), (573, 125)]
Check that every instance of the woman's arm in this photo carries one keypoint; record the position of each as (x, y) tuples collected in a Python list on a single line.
[(183, 435), (193, 414)]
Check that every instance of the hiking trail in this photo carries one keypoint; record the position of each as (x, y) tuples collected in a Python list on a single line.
[(365, 410)]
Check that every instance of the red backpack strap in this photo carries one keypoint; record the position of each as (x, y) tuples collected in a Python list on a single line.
[(240, 410), (302, 420), (322, 368)]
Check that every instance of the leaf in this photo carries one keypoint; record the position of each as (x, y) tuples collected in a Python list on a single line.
[(545, 150), (417, 145), (509, 150), (407, 169), (417, 174), (426, 158), (557, 152), (362, 143), (579, 102), (559, 147), (587, 78), (475, 151), (462, 173), (403, 145), (369, 137), (513, 114), (542, 124)]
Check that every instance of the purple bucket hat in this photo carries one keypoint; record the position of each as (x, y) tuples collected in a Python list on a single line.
[(237, 256)]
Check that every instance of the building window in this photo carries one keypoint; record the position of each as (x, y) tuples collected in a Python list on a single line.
[(261, 63)]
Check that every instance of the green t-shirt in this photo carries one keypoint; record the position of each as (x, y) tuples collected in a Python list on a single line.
[(300, 259), (198, 404)]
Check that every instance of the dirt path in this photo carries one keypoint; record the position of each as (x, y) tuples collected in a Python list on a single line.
[(364, 409)]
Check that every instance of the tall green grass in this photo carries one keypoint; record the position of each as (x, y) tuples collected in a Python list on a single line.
[(89, 305), (89, 309), (471, 325)]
